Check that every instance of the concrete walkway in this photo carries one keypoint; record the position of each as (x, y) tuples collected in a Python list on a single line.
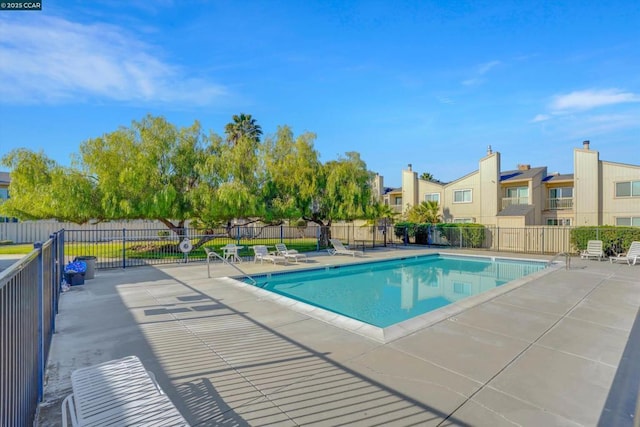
[(543, 354)]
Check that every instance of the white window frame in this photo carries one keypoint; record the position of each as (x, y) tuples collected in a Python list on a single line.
[(464, 190), (560, 190), (464, 220), (517, 190), (634, 221), (559, 222), (461, 288), (632, 184), (427, 199)]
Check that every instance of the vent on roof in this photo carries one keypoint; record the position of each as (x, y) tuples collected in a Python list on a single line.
[(524, 167)]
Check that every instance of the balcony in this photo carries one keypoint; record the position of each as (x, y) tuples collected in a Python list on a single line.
[(508, 201), (397, 208), (560, 203)]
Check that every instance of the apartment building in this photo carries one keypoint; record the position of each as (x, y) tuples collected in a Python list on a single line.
[(598, 192), (4, 192)]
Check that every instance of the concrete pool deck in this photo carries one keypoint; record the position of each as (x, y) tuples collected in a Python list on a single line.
[(545, 353)]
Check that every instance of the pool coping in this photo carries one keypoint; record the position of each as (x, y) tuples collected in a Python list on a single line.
[(404, 328)]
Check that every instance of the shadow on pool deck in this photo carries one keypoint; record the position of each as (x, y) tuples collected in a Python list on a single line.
[(543, 354)]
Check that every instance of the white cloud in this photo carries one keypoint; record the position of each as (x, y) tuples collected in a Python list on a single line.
[(540, 118), (54, 60), (472, 82), (480, 71), (588, 99), (485, 68)]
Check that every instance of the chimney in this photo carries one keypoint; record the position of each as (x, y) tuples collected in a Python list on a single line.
[(489, 151), (585, 145), (524, 167), (410, 167)]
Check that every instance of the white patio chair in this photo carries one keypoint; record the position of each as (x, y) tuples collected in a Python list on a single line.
[(262, 253), (632, 256), (594, 250), (281, 249), (340, 249)]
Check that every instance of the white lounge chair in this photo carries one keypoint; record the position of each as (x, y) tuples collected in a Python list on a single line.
[(262, 254), (281, 249), (631, 257), (594, 250), (340, 249)]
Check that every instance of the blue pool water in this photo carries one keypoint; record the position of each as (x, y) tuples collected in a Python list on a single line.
[(389, 292)]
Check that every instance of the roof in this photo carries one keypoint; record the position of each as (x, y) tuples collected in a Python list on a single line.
[(559, 177), (516, 210), (5, 178), (388, 190), (516, 175)]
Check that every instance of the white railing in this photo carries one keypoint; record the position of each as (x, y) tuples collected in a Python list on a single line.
[(508, 201), (560, 203)]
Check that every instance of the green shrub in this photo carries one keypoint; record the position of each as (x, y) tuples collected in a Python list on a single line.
[(614, 239), (472, 235), (400, 229)]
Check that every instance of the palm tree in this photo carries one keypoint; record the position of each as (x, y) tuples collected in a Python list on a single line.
[(243, 125), (381, 215), (426, 176), (425, 212)]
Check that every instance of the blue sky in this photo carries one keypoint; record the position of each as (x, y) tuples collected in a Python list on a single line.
[(431, 83)]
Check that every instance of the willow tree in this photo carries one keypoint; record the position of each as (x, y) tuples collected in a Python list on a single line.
[(303, 187), (147, 171), (42, 189), (232, 177), (293, 174)]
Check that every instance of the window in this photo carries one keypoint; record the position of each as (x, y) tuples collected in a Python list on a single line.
[(561, 192), (628, 189), (559, 221), (432, 197), (398, 200), (461, 288), (462, 196), (463, 220), (633, 221), (4, 193), (518, 192)]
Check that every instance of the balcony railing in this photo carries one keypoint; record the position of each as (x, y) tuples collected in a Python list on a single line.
[(508, 201), (397, 208), (560, 203)]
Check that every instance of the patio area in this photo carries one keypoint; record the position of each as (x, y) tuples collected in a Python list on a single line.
[(545, 353)]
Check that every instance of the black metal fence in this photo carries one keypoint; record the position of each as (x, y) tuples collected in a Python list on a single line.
[(122, 248), (29, 292)]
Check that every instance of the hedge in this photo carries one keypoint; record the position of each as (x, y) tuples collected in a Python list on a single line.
[(614, 239), (472, 235)]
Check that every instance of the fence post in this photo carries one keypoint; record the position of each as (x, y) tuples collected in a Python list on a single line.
[(124, 248), (405, 238), (318, 231), (460, 230), (54, 279), (38, 246), (281, 233)]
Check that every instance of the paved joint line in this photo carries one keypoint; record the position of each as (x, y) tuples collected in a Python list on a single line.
[(519, 355), (233, 368)]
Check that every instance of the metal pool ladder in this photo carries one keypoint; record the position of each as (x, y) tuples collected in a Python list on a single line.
[(567, 259), (211, 253)]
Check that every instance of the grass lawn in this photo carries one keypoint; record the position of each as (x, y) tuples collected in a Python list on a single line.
[(159, 249)]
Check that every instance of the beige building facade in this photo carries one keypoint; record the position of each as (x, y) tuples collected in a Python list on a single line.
[(596, 193)]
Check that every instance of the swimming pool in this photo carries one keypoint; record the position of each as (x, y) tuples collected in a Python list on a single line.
[(375, 297)]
